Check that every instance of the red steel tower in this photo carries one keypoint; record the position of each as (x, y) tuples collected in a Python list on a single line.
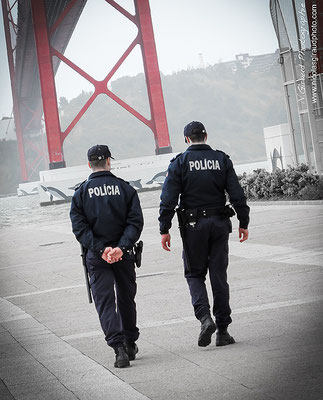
[(50, 39)]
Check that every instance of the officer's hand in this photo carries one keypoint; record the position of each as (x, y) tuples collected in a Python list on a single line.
[(165, 241), (243, 233), (104, 255), (115, 255)]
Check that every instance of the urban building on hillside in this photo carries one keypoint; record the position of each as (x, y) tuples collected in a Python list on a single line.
[(259, 63), (299, 28)]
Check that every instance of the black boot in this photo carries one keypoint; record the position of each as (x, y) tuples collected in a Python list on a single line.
[(223, 337), (122, 359), (207, 330), (131, 349)]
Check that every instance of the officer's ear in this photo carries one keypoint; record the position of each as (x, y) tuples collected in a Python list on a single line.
[(187, 140), (89, 165)]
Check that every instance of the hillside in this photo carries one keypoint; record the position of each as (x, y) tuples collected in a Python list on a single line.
[(234, 107)]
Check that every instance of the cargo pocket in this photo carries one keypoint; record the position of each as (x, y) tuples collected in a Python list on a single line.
[(92, 279)]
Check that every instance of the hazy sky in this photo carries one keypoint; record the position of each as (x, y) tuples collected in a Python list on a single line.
[(184, 29)]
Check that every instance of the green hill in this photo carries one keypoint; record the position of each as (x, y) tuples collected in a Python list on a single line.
[(234, 107)]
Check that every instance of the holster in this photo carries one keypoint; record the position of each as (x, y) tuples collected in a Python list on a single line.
[(191, 217), (186, 217), (227, 211), (137, 251)]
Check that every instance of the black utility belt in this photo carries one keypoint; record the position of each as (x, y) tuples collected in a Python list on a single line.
[(189, 216), (209, 212)]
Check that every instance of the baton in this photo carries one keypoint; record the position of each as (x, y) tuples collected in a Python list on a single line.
[(86, 273), (181, 231)]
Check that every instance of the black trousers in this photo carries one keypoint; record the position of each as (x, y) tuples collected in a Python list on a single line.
[(207, 246), (114, 289)]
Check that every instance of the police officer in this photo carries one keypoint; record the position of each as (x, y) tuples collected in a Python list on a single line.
[(201, 177), (107, 220)]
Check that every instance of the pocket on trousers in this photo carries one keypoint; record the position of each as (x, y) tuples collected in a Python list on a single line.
[(92, 256), (92, 279)]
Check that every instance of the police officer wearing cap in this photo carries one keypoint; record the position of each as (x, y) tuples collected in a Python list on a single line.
[(107, 220), (201, 177)]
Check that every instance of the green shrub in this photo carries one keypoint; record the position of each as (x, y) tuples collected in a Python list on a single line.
[(313, 192), (291, 183)]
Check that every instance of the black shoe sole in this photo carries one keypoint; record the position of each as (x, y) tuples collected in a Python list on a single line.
[(226, 342), (206, 337), (121, 364)]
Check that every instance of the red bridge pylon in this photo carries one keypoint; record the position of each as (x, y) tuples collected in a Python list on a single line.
[(43, 34)]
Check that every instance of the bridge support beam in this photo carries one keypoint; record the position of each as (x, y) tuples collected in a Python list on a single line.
[(45, 53), (47, 84), (155, 93), (8, 26)]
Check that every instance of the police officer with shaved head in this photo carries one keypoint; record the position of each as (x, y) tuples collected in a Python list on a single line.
[(107, 220), (196, 185)]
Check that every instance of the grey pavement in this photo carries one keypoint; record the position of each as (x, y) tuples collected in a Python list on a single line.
[(51, 345)]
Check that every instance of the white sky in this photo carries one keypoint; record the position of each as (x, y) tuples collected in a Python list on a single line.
[(183, 29)]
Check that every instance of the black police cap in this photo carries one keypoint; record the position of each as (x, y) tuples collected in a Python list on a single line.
[(98, 152), (194, 128)]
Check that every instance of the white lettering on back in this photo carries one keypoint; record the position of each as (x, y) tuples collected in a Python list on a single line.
[(105, 190), (204, 164)]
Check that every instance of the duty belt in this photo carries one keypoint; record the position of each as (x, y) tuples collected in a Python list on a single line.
[(192, 215), (209, 212)]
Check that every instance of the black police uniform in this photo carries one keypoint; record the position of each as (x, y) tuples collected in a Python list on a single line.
[(106, 212), (201, 176)]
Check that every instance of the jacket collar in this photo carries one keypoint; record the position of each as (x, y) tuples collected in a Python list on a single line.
[(100, 173), (199, 147)]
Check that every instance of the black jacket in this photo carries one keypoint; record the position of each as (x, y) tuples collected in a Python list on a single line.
[(105, 211), (201, 176)]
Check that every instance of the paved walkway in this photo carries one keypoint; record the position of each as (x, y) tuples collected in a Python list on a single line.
[(51, 345)]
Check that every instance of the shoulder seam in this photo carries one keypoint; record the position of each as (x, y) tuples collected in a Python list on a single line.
[(174, 158), (79, 185), (220, 151), (122, 180)]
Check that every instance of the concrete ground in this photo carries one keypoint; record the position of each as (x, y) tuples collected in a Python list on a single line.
[(51, 345)]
